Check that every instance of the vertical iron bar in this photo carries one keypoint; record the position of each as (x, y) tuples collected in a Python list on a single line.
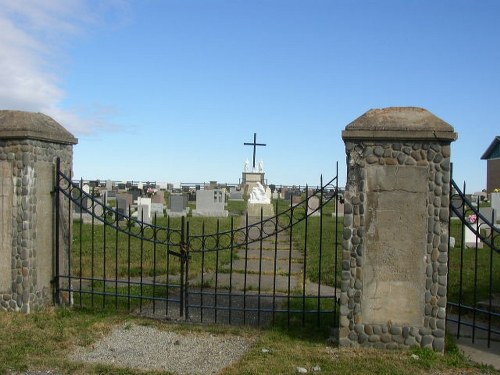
[(104, 225), (57, 281), (462, 245), (92, 236), (216, 311), (320, 254), (69, 242), (476, 255), (186, 281), (168, 235), (231, 270), (142, 261), (117, 223), (245, 271), (490, 310), (261, 232), (155, 234), (80, 229), (275, 261), (181, 250), (129, 247), (306, 229), (290, 240), (336, 243), (202, 287)]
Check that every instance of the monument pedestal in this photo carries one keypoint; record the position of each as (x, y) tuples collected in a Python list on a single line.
[(254, 209), (250, 180)]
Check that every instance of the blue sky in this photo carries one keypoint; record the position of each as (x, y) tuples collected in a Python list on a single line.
[(170, 90)]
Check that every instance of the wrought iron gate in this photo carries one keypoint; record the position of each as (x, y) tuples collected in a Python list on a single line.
[(239, 270), (473, 271)]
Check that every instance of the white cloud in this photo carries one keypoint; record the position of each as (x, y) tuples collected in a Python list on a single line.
[(32, 39)]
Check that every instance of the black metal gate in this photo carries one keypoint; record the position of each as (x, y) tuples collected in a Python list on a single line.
[(474, 270), (236, 270)]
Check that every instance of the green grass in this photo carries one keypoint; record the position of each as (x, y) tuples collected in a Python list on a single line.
[(320, 237), (45, 340), (471, 268), (103, 252)]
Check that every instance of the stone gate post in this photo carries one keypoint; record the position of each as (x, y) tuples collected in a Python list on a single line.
[(395, 248), (30, 143)]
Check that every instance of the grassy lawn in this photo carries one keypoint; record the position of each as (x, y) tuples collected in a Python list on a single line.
[(473, 269), (43, 342), (103, 252)]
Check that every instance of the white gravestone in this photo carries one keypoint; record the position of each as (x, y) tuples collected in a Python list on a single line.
[(144, 209), (470, 237), (495, 205)]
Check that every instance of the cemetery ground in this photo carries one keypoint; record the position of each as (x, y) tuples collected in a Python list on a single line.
[(472, 271), (44, 343)]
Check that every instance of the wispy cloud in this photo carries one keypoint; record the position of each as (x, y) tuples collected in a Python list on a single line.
[(33, 35)]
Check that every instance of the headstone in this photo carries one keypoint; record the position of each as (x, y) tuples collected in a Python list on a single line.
[(178, 205), (313, 206), (129, 199), (211, 203), (495, 204), (121, 207), (136, 193), (144, 209), (487, 213), (471, 239), (340, 210), (157, 209), (144, 213), (83, 205), (109, 185), (296, 199), (104, 197), (235, 194), (158, 197), (86, 188)]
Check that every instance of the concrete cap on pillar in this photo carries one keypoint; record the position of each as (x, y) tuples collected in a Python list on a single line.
[(31, 125), (399, 123)]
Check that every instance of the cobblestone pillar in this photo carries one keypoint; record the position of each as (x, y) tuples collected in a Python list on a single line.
[(30, 143), (395, 245)]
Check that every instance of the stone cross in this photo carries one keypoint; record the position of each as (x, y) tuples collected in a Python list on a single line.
[(254, 144)]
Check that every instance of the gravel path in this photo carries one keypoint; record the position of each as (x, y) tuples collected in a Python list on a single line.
[(147, 348)]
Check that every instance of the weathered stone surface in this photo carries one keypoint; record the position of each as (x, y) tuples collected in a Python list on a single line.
[(397, 193), (29, 145), (394, 264)]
